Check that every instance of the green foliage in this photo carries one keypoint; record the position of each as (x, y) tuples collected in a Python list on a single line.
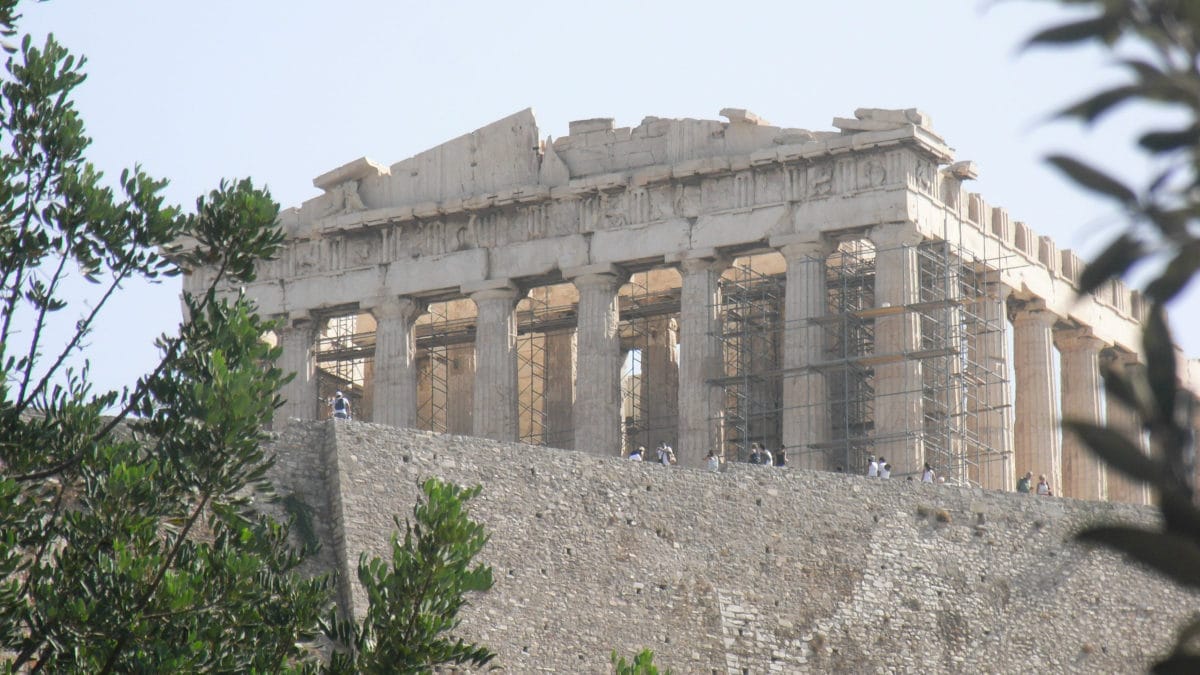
[(416, 600), (1165, 225), (643, 664), (130, 542)]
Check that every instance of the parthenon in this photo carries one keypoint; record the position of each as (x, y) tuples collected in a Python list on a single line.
[(711, 284)]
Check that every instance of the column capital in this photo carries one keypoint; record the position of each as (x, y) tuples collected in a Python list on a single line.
[(716, 264), (492, 289), (999, 291), (597, 268), (295, 320), (1030, 311), (394, 307), (604, 274), (1080, 338), (803, 246), (895, 235), (1115, 357)]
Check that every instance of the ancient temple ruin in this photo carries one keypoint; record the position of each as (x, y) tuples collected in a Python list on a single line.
[(711, 284)]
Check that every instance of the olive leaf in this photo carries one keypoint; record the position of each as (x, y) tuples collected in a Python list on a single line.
[(1093, 179)]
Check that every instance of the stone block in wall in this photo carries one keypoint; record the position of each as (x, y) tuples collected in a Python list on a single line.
[(1072, 266), (1001, 226), (1023, 239), (1047, 254), (978, 212), (578, 127), (1119, 295), (1139, 309)]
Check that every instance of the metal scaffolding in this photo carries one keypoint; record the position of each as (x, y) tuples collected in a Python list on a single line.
[(957, 314), (958, 374), (345, 358), (848, 334), (531, 367), (433, 376), (751, 314)]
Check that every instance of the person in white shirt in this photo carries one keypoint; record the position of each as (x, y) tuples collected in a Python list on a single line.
[(927, 474), (872, 468), (713, 462)]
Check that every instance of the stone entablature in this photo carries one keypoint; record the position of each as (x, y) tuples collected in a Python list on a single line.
[(531, 208), (534, 229)]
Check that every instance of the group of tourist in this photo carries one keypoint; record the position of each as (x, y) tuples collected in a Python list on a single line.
[(664, 454), (759, 454), (1025, 485), (878, 468)]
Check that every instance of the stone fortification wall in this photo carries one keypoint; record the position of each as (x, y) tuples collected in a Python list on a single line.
[(753, 569)]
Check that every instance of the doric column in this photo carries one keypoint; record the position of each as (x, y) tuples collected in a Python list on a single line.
[(1125, 420), (805, 391), (660, 381), (1084, 475), (898, 388), (1036, 439), (994, 469), (495, 404), (298, 341), (701, 402), (598, 385), (395, 382), (559, 398)]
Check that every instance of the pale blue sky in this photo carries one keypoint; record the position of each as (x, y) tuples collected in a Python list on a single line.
[(284, 91)]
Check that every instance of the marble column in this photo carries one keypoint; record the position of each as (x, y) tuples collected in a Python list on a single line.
[(899, 422), (805, 392), (298, 341), (1084, 475), (701, 360), (494, 410), (1036, 438), (395, 381), (1124, 419), (598, 385), (559, 394), (994, 468), (660, 381)]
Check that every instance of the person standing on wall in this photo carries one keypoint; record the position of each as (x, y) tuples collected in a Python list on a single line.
[(666, 455), (1043, 488), (1025, 484), (340, 406), (712, 461)]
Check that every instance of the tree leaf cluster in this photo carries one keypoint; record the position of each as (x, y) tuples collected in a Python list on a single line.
[(134, 533), (642, 664), (1164, 225), (414, 599)]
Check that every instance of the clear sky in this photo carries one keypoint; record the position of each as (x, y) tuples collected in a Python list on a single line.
[(285, 91)]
